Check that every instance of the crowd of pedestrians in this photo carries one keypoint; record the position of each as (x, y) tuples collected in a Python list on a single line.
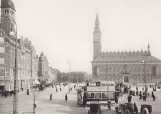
[(56, 89)]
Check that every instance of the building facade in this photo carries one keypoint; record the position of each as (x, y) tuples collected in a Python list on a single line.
[(43, 68), (27, 61), (133, 66)]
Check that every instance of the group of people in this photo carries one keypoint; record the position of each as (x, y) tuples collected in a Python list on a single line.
[(144, 96), (7, 93), (66, 97)]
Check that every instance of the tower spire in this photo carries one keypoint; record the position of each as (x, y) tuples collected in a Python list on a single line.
[(148, 49), (97, 28), (148, 46)]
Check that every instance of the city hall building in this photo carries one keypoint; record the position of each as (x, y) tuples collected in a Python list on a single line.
[(133, 66)]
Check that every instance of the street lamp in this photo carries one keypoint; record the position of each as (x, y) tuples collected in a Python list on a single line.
[(15, 97), (69, 77), (77, 79), (145, 80)]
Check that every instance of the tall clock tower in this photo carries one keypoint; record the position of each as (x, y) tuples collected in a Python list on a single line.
[(96, 39), (7, 16)]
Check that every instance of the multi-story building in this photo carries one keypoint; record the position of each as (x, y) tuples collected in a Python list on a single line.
[(43, 68), (27, 61), (133, 66)]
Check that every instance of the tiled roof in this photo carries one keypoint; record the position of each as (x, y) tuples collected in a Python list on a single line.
[(125, 56)]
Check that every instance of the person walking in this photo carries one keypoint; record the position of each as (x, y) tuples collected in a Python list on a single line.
[(51, 96), (129, 98), (116, 99), (136, 92), (135, 108), (140, 95), (27, 91), (66, 97), (84, 101), (153, 97), (152, 94), (109, 104), (143, 96)]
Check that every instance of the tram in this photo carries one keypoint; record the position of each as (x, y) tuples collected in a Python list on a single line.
[(101, 91)]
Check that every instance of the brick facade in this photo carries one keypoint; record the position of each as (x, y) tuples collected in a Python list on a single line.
[(123, 66)]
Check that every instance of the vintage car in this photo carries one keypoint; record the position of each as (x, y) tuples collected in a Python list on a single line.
[(94, 108)]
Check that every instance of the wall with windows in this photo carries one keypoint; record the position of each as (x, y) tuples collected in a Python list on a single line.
[(136, 71)]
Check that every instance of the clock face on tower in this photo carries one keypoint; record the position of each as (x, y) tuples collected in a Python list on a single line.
[(96, 38)]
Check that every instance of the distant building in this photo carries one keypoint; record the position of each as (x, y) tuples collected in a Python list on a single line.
[(52, 75), (26, 57), (43, 68), (132, 66)]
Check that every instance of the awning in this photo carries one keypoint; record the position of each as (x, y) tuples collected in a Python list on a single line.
[(36, 82)]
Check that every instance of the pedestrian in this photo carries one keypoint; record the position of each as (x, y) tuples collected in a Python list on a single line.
[(145, 97), (129, 98), (51, 95), (140, 95), (84, 101), (109, 104), (66, 97), (27, 91), (56, 90), (135, 108), (60, 89), (152, 94), (153, 97), (116, 99), (136, 92)]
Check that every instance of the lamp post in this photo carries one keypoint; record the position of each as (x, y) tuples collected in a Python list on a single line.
[(77, 79), (69, 77), (15, 97), (145, 79)]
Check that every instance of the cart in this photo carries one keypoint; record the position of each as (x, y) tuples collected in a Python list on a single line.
[(94, 108), (126, 108)]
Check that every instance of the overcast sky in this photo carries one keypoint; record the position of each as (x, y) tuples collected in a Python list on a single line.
[(63, 29)]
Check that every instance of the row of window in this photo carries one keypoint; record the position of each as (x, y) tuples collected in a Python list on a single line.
[(140, 78), (2, 72), (20, 73), (8, 12), (129, 70), (101, 95)]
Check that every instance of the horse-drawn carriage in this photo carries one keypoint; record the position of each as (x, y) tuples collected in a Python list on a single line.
[(125, 108), (131, 108)]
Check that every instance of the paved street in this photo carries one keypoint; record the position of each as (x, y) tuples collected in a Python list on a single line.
[(58, 104), (44, 105)]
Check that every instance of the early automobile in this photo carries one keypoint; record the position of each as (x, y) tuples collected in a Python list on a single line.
[(94, 108)]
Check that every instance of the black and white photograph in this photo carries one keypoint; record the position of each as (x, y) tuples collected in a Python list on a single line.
[(80, 56)]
